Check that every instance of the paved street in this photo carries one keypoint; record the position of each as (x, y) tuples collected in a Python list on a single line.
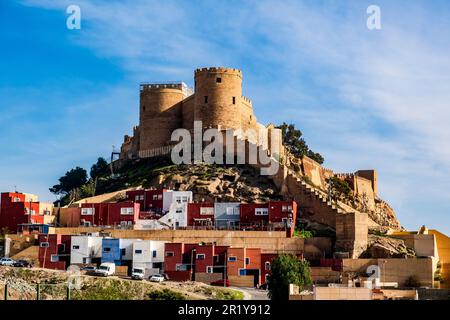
[(252, 293)]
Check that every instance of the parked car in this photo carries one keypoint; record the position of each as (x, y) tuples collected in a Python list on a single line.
[(22, 264), (89, 269), (106, 269), (221, 283), (137, 274), (6, 262), (157, 278)]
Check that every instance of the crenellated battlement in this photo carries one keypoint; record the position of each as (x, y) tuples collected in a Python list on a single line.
[(344, 175), (247, 100), (219, 70)]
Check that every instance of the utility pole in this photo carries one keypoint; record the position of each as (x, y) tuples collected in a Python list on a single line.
[(225, 271)]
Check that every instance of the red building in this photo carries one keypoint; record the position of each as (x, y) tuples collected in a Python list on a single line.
[(200, 214), (54, 251), (108, 214), (16, 209), (175, 264), (254, 215), (244, 262), (283, 215), (149, 200), (182, 261), (266, 266)]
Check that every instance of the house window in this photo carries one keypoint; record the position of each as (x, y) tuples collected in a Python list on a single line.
[(184, 199), (232, 259), (261, 211), (206, 211), (242, 272), (219, 80), (44, 245), (169, 254), (160, 197), (200, 256), (47, 212), (126, 211), (85, 260), (123, 252), (284, 208), (75, 247), (236, 211), (247, 261), (62, 247), (209, 269), (206, 99), (16, 199), (54, 258), (106, 249), (234, 100), (155, 197), (230, 211), (179, 211), (137, 251), (154, 253), (87, 211), (143, 108), (267, 265), (178, 199)]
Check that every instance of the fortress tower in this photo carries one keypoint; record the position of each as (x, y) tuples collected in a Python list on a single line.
[(164, 107), (218, 94), (160, 113)]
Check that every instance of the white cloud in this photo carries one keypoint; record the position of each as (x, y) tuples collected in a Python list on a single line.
[(364, 98)]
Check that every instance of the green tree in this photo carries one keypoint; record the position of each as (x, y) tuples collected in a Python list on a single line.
[(73, 179), (293, 141), (99, 169), (287, 269), (340, 188)]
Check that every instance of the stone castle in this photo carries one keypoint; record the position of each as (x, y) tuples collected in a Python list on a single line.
[(216, 101)]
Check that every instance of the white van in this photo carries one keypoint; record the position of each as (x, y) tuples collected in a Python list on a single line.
[(106, 269), (137, 274)]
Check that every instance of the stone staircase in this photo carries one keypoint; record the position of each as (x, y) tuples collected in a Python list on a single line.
[(314, 202)]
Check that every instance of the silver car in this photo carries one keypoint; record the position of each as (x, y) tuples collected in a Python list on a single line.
[(6, 262)]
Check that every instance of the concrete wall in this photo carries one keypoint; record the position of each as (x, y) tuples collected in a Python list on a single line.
[(241, 281), (395, 270), (268, 241), (351, 233), (342, 293), (208, 277), (324, 275)]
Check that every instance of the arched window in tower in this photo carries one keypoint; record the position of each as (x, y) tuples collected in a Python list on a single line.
[(206, 99), (219, 80), (234, 100), (143, 108)]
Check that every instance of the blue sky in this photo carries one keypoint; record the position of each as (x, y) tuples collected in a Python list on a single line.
[(364, 99)]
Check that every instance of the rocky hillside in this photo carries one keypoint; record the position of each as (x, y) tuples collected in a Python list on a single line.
[(208, 182), (22, 284)]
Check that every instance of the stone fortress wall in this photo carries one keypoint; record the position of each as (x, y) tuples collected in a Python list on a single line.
[(217, 101)]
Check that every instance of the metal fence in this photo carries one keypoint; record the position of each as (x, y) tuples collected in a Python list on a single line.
[(26, 291)]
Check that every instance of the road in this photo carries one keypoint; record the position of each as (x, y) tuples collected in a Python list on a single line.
[(252, 293)]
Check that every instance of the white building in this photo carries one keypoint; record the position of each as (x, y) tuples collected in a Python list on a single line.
[(171, 196), (176, 217), (148, 255), (85, 249)]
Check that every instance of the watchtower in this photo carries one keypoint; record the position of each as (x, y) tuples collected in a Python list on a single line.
[(160, 112), (218, 94)]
